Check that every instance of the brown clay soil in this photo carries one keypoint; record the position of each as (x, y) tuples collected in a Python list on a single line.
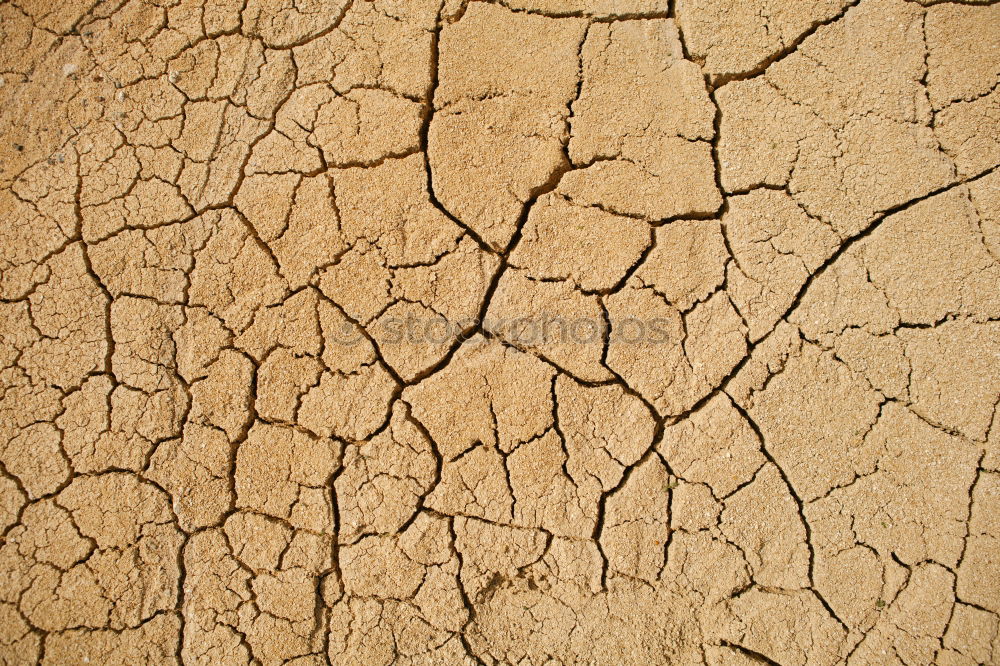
[(504, 332)]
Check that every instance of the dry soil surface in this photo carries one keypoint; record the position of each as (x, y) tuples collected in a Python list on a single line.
[(520, 332)]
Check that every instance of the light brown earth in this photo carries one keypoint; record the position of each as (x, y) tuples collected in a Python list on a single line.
[(772, 435)]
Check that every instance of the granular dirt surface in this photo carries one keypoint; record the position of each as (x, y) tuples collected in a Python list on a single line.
[(510, 332)]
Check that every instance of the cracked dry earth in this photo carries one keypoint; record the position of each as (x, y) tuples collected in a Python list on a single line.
[(216, 448)]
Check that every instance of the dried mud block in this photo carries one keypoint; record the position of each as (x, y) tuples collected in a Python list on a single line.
[(501, 115), (651, 159), (732, 39), (842, 113)]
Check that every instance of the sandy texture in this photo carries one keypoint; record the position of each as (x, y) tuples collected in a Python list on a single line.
[(504, 332)]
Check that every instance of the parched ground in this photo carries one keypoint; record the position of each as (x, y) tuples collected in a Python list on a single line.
[(520, 332)]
